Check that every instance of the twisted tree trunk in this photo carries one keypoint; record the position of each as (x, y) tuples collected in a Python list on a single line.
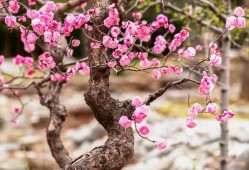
[(119, 147)]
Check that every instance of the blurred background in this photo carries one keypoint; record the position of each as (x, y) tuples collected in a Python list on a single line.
[(24, 147)]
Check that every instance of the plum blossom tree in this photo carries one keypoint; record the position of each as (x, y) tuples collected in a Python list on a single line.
[(114, 43)]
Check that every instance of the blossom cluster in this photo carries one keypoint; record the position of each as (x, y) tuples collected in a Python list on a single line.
[(44, 24), (140, 113), (82, 68), (27, 62), (237, 21)]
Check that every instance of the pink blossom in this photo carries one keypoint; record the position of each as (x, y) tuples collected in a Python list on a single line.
[(16, 110), (30, 71), (1, 59), (88, 27), (48, 36), (157, 49), (155, 62), (69, 52), (132, 55), (32, 14), (143, 56), (166, 70), (28, 61), (215, 60), (83, 68), (190, 53), (195, 110), (83, 5), (115, 31), (75, 43), (58, 77), (213, 46), (211, 108), (154, 26), (137, 15), (32, 2), (141, 113), (48, 7), (18, 60), (124, 61), (181, 52), (112, 64), (95, 11), (162, 20), (190, 123), (95, 45), (125, 122), (239, 12), (172, 28), (225, 116), (197, 107), (137, 101), (198, 48), (213, 78), (192, 112), (144, 130), (10, 21), (156, 74), (117, 53), (240, 22), (113, 18), (235, 22), (22, 19), (162, 144), (31, 38), (128, 40), (109, 42), (46, 61), (206, 85), (144, 63), (13, 6), (71, 72)]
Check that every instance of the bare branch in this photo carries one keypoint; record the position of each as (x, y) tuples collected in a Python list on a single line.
[(200, 21), (169, 85)]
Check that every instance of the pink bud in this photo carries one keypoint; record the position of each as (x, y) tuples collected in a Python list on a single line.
[(239, 12), (144, 130), (190, 123), (16, 110), (211, 108), (125, 122), (137, 101), (75, 43), (162, 144)]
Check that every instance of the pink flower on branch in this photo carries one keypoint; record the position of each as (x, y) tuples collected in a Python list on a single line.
[(137, 101), (162, 145), (144, 130), (13, 6), (125, 122)]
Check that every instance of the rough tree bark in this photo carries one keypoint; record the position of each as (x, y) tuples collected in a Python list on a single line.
[(57, 117), (225, 80)]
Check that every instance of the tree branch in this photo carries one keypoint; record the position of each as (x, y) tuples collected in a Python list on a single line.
[(169, 85), (57, 117), (176, 9)]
